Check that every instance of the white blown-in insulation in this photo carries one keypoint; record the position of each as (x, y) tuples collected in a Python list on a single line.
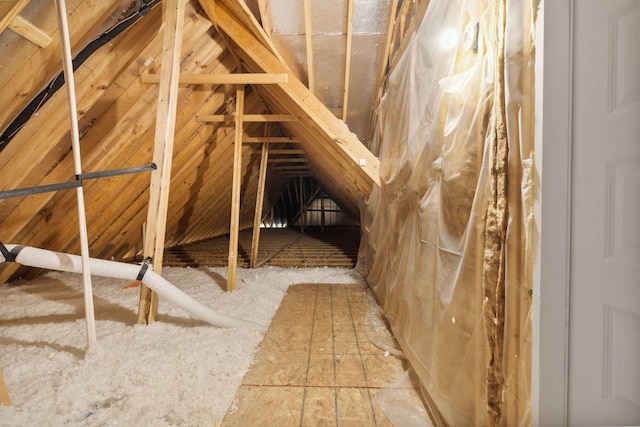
[(51, 260)]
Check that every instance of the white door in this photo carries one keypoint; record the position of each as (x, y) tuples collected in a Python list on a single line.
[(604, 328)]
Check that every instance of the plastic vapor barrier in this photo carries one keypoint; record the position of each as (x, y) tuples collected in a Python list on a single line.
[(447, 238)]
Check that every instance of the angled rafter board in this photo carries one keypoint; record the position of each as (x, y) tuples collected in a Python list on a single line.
[(55, 169), (328, 144), (48, 128), (32, 68), (9, 10), (118, 137)]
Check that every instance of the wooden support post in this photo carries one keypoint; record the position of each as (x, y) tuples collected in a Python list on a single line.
[(4, 393), (173, 13), (308, 30), (322, 213), (302, 216), (67, 66), (257, 217), (235, 192), (347, 61)]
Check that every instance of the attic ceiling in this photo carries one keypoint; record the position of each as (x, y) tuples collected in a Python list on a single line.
[(116, 105)]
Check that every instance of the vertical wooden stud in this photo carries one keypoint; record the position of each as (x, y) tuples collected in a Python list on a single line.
[(4, 393), (173, 13), (308, 30), (257, 217), (347, 61), (235, 191)]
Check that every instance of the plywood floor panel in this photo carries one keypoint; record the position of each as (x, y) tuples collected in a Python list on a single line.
[(315, 367)]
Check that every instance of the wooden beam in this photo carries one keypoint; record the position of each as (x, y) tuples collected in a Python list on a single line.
[(257, 216), (288, 160), (235, 191), (223, 79), (275, 139), (11, 12), (173, 14), (308, 32), (4, 393), (219, 118), (291, 168), (347, 61), (30, 32), (292, 151)]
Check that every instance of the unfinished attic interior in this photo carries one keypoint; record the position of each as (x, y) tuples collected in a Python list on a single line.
[(198, 140)]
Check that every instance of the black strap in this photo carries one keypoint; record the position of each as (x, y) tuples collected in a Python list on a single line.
[(145, 266), (10, 255)]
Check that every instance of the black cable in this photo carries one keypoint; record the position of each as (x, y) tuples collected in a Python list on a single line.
[(39, 100)]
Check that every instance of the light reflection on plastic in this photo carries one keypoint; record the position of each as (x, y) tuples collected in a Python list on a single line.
[(449, 39)]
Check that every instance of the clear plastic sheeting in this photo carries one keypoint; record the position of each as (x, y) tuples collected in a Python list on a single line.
[(447, 238), (376, 329), (401, 403)]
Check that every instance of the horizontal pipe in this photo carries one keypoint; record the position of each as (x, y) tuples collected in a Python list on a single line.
[(50, 260)]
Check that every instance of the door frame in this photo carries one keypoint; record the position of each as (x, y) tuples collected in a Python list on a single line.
[(552, 210)]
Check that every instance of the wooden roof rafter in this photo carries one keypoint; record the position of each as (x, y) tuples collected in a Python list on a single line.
[(330, 147)]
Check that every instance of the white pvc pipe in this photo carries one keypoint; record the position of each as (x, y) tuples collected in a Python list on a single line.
[(67, 64), (51, 260)]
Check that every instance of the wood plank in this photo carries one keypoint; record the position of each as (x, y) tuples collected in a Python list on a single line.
[(257, 217), (347, 61), (10, 13), (29, 31), (273, 139), (288, 160), (308, 35), (4, 392), (173, 17), (223, 118), (292, 151), (38, 66), (220, 79), (235, 191)]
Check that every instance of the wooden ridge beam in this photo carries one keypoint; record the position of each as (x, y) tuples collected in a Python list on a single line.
[(223, 79), (230, 118)]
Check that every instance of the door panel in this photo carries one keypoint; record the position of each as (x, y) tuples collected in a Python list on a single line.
[(604, 330)]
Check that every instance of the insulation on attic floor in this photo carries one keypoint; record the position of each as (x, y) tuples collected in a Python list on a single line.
[(281, 247)]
